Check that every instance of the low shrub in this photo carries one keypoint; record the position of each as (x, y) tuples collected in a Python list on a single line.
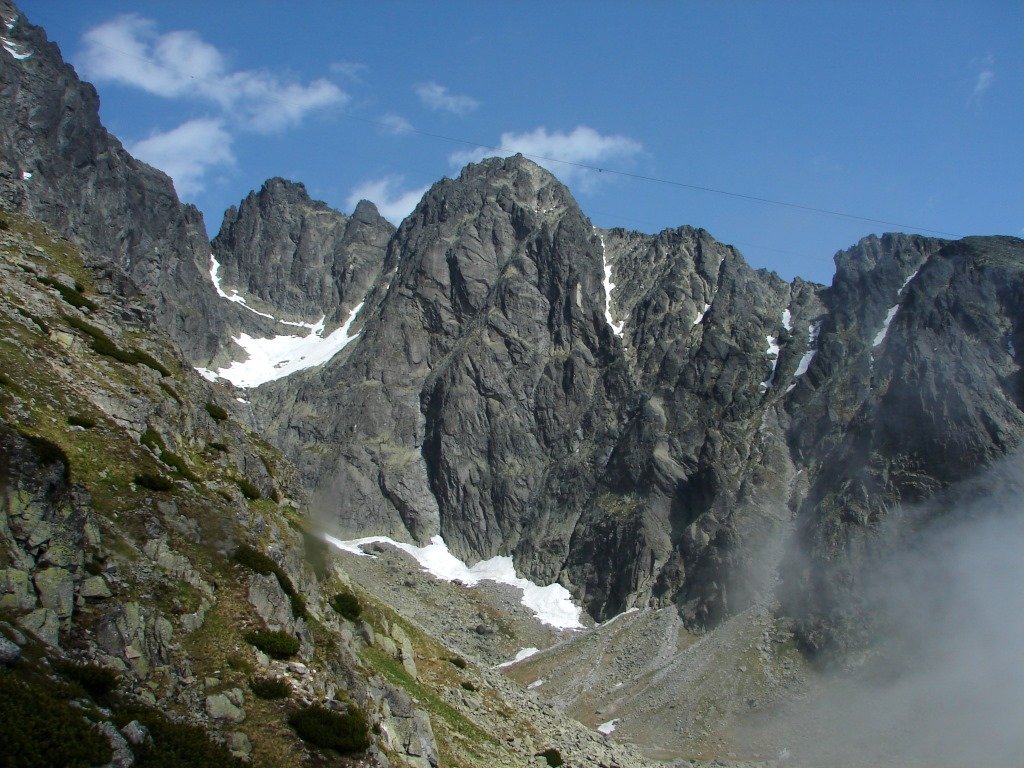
[(35, 319), (153, 481), (248, 490), (41, 731), (219, 447), (467, 685), (170, 391), (216, 412), (152, 440), (98, 681), (552, 756), (277, 645), (81, 420), (347, 605), (459, 662), (270, 687), (179, 465), (102, 344), (72, 296), (346, 732), (176, 745), (46, 451), (255, 560)]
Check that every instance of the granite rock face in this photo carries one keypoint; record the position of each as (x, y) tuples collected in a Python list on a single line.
[(669, 441), (61, 166), (298, 258)]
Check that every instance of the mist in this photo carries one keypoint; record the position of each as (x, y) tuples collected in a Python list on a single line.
[(944, 684)]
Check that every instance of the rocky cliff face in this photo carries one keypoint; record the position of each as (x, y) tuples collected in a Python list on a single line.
[(646, 418), (493, 396), (297, 258), (61, 166), (642, 417)]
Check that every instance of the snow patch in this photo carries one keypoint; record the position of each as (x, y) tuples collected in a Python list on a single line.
[(773, 354), (787, 319), (609, 286), (280, 356), (609, 727), (536, 684), (907, 281), (700, 315), (812, 349), (521, 655), (235, 296), (880, 336), (207, 374), (12, 47), (551, 604)]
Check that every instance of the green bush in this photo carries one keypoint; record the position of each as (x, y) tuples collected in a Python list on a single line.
[(41, 731), (277, 645), (72, 296), (248, 490), (175, 461), (176, 745), (270, 687), (152, 440), (347, 605), (255, 560), (153, 481), (219, 447), (81, 420), (459, 662), (216, 412), (552, 756), (98, 681), (47, 452), (170, 391), (343, 732), (101, 344), (35, 319)]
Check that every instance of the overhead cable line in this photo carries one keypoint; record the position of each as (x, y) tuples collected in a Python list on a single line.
[(595, 168)]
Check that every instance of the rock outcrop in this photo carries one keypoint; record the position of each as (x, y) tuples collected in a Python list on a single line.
[(298, 258)]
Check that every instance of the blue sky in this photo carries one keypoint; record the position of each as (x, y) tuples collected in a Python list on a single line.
[(909, 113)]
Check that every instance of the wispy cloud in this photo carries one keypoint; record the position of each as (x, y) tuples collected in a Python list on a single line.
[(393, 202), (440, 99), (129, 50), (984, 76), (395, 124), (186, 153), (581, 145), (350, 70)]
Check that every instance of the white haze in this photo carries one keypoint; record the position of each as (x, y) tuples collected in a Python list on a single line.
[(946, 688)]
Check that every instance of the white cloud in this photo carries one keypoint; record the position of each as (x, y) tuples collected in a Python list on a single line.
[(351, 70), (581, 145), (984, 76), (395, 124), (438, 98), (180, 64), (186, 153), (393, 203)]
